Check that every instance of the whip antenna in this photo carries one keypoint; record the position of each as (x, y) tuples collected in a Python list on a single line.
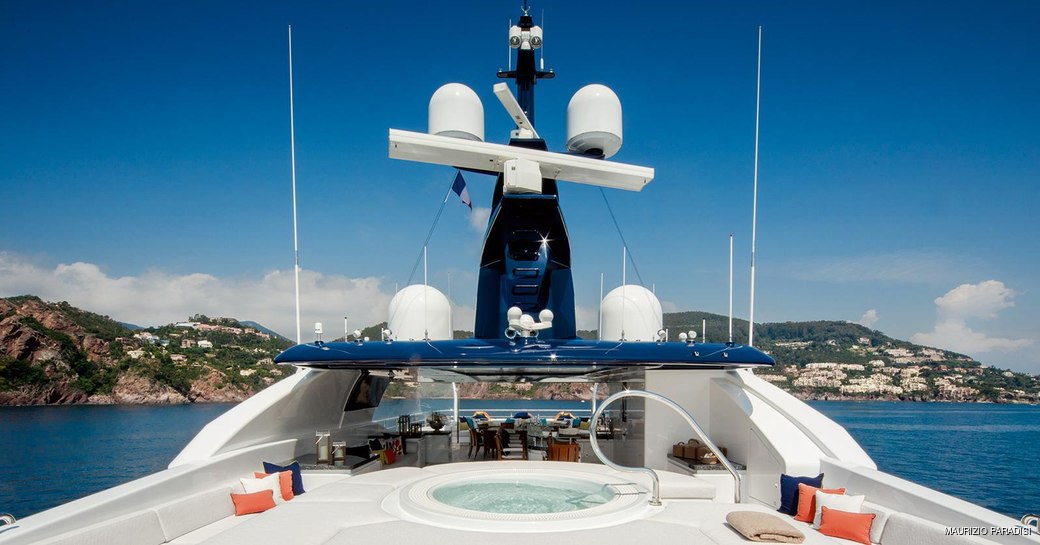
[(292, 147), (731, 288), (754, 200)]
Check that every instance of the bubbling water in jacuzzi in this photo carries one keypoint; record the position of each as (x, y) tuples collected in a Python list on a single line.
[(519, 497), (530, 496)]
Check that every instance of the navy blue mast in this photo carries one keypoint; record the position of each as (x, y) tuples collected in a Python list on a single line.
[(526, 75), (526, 260)]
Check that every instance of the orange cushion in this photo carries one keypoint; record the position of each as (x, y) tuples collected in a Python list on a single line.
[(284, 481), (257, 502), (851, 526), (807, 501)]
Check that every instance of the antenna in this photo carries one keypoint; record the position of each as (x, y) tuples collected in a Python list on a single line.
[(624, 281), (296, 243), (509, 51), (754, 200), (599, 330), (426, 297), (731, 288), (541, 52)]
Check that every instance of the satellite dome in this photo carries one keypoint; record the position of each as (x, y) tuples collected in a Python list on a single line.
[(631, 312), (594, 121), (456, 111), (420, 312)]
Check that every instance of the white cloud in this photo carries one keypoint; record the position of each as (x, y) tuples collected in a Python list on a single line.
[(478, 219), (869, 318), (156, 297), (970, 301), (463, 318), (982, 300), (585, 317)]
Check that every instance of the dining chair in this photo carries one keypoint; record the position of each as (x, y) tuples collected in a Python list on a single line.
[(492, 443), (563, 451), (476, 441)]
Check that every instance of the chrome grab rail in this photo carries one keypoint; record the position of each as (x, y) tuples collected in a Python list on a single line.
[(1031, 520), (6, 519), (655, 498)]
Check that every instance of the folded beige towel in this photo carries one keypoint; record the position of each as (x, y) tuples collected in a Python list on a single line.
[(764, 527)]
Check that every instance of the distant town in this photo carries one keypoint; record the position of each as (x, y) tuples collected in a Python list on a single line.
[(898, 373)]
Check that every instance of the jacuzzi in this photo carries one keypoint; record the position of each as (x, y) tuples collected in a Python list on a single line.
[(520, 499)]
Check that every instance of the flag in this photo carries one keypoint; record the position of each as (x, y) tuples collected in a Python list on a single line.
[(459, 187)]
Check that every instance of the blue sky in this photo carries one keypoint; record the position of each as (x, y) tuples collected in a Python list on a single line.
[(145, 164)]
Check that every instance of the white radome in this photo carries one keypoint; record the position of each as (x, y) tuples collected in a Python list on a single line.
[(418, 312), (594, 120), (633, 310), (456, 111)]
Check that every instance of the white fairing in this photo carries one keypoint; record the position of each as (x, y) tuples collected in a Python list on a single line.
[(594, 120), (632, 313), (456, 111), (420, 312)]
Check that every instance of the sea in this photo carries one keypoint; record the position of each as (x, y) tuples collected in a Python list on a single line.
[(984, 453)]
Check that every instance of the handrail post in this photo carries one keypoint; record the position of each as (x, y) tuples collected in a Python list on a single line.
[(655, 499)]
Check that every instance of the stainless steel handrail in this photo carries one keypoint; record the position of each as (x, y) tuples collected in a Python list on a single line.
[(655, 498), (1030, 519), (6, 519)]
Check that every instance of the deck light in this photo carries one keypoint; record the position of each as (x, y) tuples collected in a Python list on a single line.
[(323, 454)]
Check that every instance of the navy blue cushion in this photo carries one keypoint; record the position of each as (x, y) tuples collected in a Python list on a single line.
[(362, 451), (789, 491), (297, 478), (522, 414)]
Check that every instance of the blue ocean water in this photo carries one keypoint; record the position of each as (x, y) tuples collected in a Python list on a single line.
[(986, 454), (53, 455), (983, 453)]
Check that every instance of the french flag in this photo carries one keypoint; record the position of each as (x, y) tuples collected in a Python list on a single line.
[(459, 187)]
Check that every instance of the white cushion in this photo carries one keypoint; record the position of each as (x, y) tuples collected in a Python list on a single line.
[(297, 523), (881, 515), (347, 491), (210, 530), (318, 479), (841, 502), (270, 482), (140, 528), (188, 514), (904, 529)]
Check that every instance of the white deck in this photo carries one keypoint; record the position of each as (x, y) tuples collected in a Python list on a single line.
[(361, 509)]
